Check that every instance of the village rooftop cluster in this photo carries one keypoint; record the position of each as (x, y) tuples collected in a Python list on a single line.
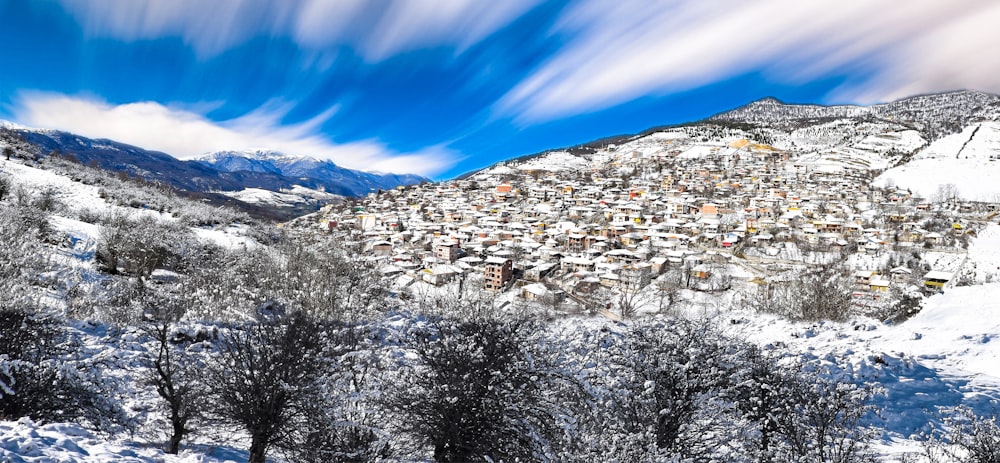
[(704, 208)]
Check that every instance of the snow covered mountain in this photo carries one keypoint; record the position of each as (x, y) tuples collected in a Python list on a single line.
[(312, 170), (226, 171), (960, 129)]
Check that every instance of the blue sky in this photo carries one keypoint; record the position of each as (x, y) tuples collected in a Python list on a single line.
[(441, 88)]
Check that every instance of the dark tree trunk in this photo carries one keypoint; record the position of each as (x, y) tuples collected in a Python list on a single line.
[(258, 449), (765, 443), (175, 439)]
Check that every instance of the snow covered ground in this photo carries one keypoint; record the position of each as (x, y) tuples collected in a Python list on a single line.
[(554, 162), (259, 196), (25, 441), (983, 265), (947, 355)]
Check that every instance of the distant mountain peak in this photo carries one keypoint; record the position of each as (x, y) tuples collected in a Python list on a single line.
[(256, 154), (768, 100), (220, 171), (4, 124), (324, 172)]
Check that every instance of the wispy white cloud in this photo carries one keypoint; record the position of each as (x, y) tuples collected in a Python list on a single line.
[(410, 25), (619, 52), (208, 27), (376, 29), (184, 134), (955, 52)]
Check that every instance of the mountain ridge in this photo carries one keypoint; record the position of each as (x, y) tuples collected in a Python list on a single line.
[(935, 114), (304, 167)]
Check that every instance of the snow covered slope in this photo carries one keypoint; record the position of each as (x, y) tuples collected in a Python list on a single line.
[(969, 160), (80, 206), (837, 147), (297, 196)]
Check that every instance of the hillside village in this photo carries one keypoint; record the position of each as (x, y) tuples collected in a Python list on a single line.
[(710, 208)]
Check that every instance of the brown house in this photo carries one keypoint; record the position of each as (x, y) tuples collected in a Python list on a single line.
[(498, 272)]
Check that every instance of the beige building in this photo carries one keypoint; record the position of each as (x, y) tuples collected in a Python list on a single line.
[(446, 251)]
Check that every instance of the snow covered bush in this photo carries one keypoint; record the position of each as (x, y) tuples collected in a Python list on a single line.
[(22, 257), (138, 245), (39, 380), (345, 423), (820, 294), (659, 382), (821, 419), (964, 437), (5, 186), (316, 278)]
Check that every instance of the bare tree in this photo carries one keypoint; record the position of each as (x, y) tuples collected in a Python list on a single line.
[(667, 292), (822, 293), (167, 370), (632, 293), (172, 372), (266, 380), (945, 194)]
